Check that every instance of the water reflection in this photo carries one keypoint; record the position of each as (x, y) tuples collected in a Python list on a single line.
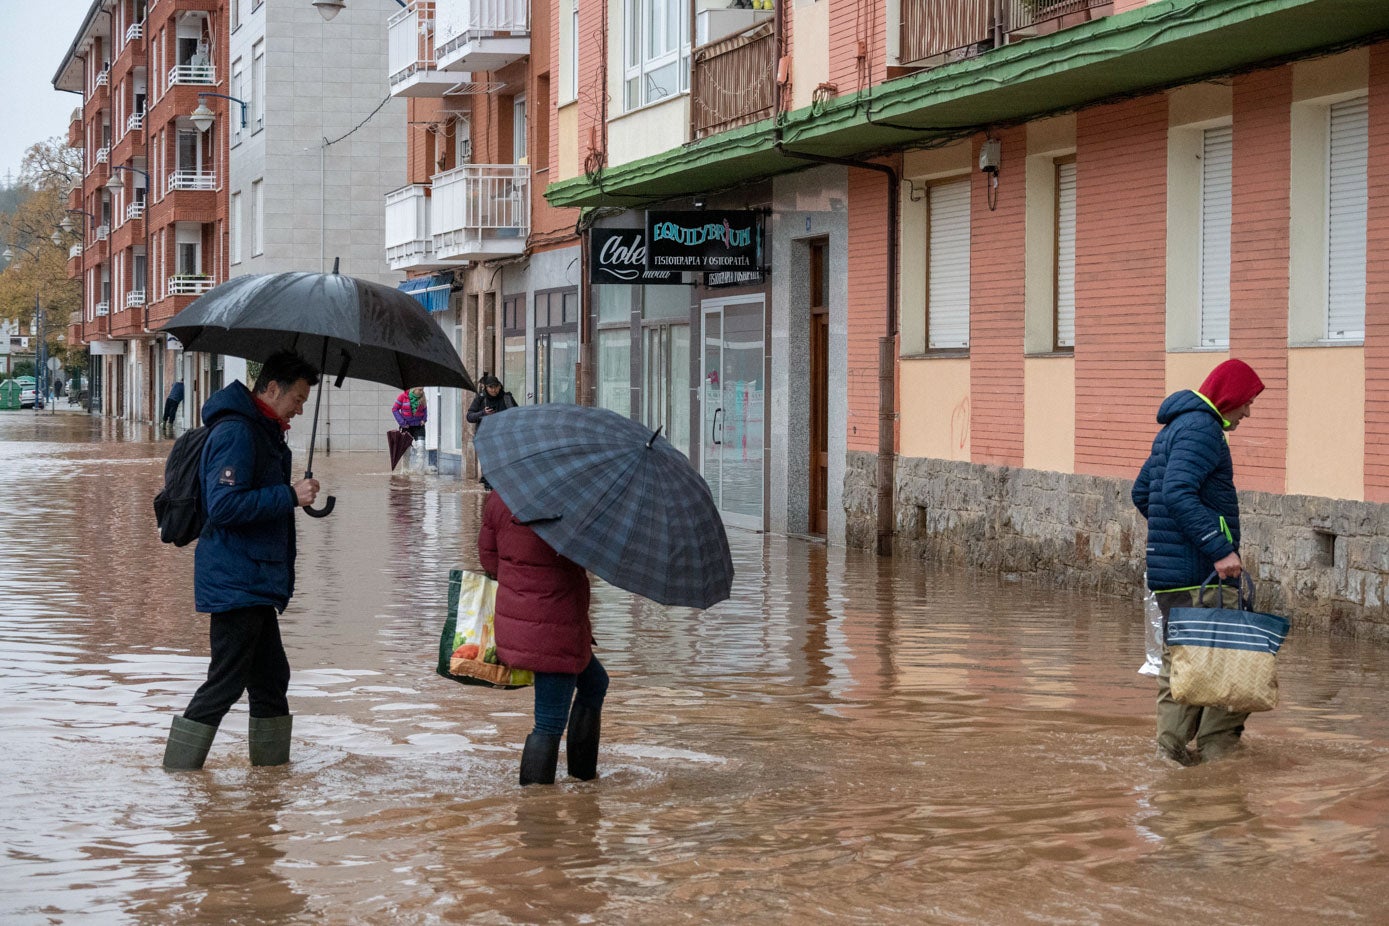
[(848, 739)]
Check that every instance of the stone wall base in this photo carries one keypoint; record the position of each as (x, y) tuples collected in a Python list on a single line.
[(1322, 562)]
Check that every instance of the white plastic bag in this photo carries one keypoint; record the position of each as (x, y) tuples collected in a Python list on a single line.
[(1152, 632)]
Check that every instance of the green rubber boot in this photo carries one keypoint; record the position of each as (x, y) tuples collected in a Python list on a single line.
[(269, 739), (188, 744)]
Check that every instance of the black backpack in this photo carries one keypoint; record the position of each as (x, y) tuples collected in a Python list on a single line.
[(178, 508)]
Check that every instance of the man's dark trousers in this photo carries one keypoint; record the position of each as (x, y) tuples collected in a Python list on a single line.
[(170, 410), (247, 655)]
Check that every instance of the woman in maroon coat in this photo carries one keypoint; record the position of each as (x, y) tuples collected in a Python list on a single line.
[(542, 625)]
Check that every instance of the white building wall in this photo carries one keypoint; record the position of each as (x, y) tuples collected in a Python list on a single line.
[(324, 81)]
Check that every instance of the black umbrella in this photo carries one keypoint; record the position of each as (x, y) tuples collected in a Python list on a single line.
[(613, 496), (350, 327), (398, 442)]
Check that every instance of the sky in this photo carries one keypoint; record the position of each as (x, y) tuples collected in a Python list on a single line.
[(34, 36)]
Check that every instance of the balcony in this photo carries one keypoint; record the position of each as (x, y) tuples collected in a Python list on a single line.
[(189, 284), (103, 154), (191, 180), (192, 74), (102, 232), (101, 309), (480, 35), (135, 122), (409, 245), (135, 210), (936, 32), (480, 211), (410, 67), (744, 61), (104, 78), (74, 251), (135, 299), (134, 31)]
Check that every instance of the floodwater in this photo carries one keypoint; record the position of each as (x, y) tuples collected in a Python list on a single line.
[(847, 740)]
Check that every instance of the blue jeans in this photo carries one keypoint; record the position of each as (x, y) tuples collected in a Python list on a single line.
[(554, 691)]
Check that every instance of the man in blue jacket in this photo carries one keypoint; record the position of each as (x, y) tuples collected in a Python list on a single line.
[(243, 571), (1186, 490)]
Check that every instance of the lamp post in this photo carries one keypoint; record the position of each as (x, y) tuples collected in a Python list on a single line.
[(203, 117)]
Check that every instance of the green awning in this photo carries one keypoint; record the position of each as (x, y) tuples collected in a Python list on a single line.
[(1161, 45)]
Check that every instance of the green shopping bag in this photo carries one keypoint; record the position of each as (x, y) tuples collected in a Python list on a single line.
[(467, 647)]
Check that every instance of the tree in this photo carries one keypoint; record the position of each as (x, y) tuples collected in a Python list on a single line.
[(38, 267)]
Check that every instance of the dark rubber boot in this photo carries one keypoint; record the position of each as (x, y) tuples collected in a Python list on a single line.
[(539, 758), (269, 739), (585, 724), (188, 744)]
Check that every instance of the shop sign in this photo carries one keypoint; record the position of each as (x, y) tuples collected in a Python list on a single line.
[(705, 240), (734, 278), (618, 255)]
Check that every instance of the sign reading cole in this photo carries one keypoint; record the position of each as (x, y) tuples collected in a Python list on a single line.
[(706, 240), (618, 255)]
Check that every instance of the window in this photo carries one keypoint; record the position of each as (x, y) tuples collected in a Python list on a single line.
[(570, 90), (188, 259), (235, 218), (236, 92), (656, 51), (462, 141), (235, 17), (514, 345), (1347, 199), (1064, 320), (190, 153), (257, 218), (947, 266), (556, 345), (1217, 157), (613, 305), (518, 129), (257, 100), (140, 271)]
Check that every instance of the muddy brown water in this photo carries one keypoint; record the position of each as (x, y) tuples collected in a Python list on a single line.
[(847, 740)]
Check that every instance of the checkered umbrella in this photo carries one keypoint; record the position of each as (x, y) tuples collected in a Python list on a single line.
[(612, 496)]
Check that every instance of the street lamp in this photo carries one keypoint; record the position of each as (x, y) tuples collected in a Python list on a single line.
[(203, 117), (329, 8), (115, 185)]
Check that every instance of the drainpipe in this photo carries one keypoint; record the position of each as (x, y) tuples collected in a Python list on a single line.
[(887, 346)]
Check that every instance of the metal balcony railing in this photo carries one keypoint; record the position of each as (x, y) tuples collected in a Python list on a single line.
[(104, 78), (408, 240), (731, 81), (480, 35), (189, 284), (102, 232), (103, 155), (192, 74), (410, 41), (134, 31), (134, 210), (74, 251), (101, 308), (135, 122), (135, 298), (479, 209), (935, 32), (192, 180)]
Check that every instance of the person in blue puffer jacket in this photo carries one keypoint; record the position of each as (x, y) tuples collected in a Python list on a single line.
[(1186, 491), (243, 568)]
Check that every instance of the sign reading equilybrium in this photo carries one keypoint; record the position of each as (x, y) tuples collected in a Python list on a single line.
[(706, 241), (618, 255)]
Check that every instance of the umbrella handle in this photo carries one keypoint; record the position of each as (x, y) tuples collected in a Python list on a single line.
[(323, 512)]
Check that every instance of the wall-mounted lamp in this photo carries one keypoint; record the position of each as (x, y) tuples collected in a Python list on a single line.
[(203, 117), (329, 8), (115, 185)]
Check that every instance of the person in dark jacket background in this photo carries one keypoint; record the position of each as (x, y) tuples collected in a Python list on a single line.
[(1186, 491), (243, 569), (171, 405), (492, 399), (542, 624)]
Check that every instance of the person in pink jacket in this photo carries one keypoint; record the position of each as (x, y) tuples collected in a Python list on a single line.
[(410, 412), (542, 625)]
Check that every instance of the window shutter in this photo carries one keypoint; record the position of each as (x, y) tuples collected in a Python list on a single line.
[(947, 307), (1347, 196), (1066, 254), (1217, 159)]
